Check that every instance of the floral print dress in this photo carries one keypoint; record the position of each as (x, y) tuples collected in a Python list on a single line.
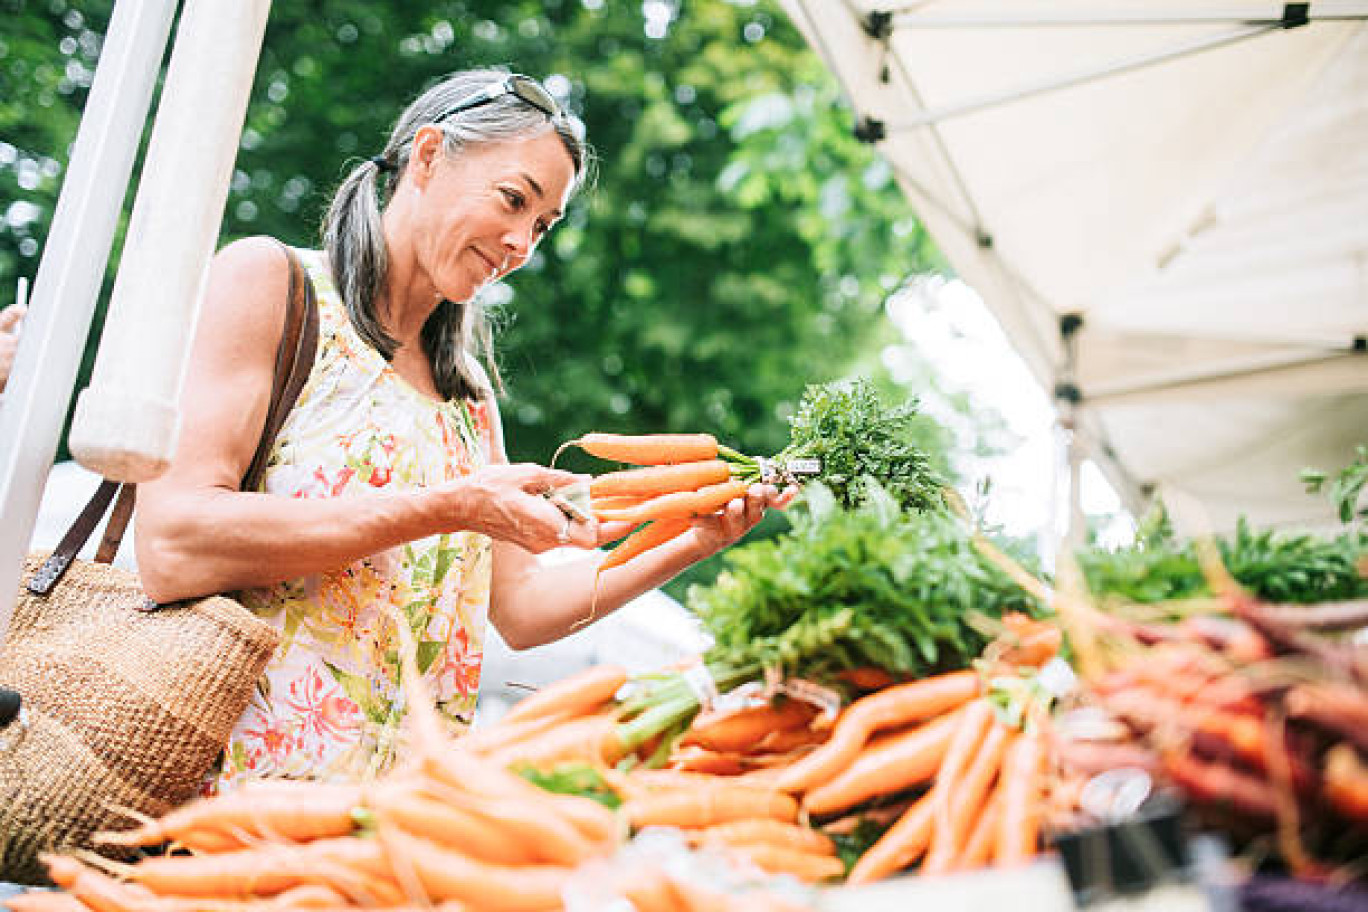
[(330, 704)]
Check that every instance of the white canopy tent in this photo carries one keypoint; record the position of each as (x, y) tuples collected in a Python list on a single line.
[(1165, 204)]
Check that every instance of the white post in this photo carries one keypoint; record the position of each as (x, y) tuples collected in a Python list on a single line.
[(126, 422), (69, 275)]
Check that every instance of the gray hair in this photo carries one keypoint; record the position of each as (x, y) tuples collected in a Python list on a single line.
[(355, 241)]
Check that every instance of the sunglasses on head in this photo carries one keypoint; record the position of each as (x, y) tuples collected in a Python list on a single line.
[(524, 88)]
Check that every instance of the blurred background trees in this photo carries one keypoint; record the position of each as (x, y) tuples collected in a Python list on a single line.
[(739, 241)]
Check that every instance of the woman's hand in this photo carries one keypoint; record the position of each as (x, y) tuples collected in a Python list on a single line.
[(728, 525), (509, 503)]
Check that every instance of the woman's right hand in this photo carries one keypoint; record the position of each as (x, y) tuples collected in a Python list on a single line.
[(509, 503)]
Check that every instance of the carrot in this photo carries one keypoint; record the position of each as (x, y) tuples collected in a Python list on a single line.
[(96, 889), (789, 739), (615, 503), (572, 696), (448, 875), (777, 859), (446, 824), (1027, 641), (1215, 783), (889, 766), (645, 539), (550, 837), (965, 745), (464, 772), (652, 481), (900, 705), (970, 793), (900, 846), (743, 728), (591, 739), (268, 870), (649, 449), (1022, 775), (698, 759), (708, 806), (286, 810), (867, 678), (495, 737), (767, 830), (45, 901), (1346, 782), (680, 504), (978, 851)]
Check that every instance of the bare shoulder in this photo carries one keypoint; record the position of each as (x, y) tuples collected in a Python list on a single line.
[(248, 284)]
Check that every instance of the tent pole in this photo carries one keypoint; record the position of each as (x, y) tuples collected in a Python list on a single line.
[(71, 270), (126, 422)]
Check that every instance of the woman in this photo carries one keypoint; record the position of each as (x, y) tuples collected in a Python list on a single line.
[(388, 486)]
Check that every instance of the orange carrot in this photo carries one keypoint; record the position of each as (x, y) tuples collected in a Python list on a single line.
[(486, 740), (867, 678), (96, 889), (767, 830), (789, 739), (285, 810), (900, 705), (447, 824), (979, 850), (959, 756), (615, 503), (45, 901), (971, 792), (448, 875), (549, 836), (1022, 775), (645, 539), (652, 481), (572, 696), (709, 806), (589, 739), (1346, 782), (680, 504), (776, 859), (1027, 641), (898, 762), (900, 846), (699, 759), (649, 449), (267, 870), (648, 889), (742, 729)]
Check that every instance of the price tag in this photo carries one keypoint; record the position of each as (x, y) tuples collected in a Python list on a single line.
[(804, 467)]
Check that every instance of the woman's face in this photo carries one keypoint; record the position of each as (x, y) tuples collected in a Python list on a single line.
[(482, 212)]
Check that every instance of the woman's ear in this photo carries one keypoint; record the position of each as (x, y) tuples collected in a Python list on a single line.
[(426, 149)]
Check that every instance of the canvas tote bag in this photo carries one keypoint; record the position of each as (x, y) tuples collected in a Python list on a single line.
[(125, 703)]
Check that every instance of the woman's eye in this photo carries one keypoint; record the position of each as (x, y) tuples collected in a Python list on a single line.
[(515, 199), (542, 228)]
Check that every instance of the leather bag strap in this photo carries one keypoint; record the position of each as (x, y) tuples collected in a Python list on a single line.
[(294, 359)]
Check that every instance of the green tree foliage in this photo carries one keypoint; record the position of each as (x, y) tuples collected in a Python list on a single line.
[(738, 244)]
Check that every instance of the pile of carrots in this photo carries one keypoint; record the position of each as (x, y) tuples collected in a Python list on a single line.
[(453, 829), (1262, 721)]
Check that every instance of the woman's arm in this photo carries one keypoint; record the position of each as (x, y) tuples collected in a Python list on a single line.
[(198, 534)]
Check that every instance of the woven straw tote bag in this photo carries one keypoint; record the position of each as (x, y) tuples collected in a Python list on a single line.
[(126, 704)]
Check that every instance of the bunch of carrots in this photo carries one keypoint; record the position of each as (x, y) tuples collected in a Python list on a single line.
[(679, 478), (969, 785), (1261, 720)]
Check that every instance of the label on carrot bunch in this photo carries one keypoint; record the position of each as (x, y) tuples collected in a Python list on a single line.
[(747, 696)]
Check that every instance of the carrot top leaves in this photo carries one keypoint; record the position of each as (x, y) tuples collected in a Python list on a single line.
[(857, 437)]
